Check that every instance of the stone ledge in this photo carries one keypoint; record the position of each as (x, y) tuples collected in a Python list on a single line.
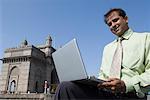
[(31, 96)]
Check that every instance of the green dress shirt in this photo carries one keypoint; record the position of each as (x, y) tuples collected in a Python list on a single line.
[(135, 71)]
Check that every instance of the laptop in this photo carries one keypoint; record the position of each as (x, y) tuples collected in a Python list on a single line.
[(69, 65)]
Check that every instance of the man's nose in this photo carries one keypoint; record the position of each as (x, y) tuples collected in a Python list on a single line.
[(113, 26)]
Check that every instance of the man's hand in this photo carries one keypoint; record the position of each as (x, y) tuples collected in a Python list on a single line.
[(114, 84)]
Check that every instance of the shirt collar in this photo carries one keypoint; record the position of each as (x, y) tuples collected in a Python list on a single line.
[(126, 35)]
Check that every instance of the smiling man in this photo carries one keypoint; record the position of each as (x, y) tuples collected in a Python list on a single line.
[(125, 65)]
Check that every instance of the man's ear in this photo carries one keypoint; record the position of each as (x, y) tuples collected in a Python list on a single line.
[(126, 18)]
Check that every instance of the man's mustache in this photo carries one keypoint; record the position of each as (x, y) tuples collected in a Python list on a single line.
[(114, 28)]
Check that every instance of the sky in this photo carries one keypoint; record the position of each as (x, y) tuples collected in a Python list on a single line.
[(64, 20)]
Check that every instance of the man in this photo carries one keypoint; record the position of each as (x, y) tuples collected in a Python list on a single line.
[(125, 65)]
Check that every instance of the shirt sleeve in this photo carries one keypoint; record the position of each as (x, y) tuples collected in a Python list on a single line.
[(103, 75), (141, 82)]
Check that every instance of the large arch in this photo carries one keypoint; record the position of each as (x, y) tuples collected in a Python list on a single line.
[(13, 79)]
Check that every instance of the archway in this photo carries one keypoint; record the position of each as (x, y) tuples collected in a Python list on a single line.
[(13, 79)]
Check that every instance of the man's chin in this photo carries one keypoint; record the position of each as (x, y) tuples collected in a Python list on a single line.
[(117, 34)]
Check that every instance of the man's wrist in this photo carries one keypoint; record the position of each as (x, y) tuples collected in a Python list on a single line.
[(123, 87)]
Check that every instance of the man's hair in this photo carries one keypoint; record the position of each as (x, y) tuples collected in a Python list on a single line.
[(120, 11)]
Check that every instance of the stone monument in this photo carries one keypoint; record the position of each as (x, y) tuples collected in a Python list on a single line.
[(27, 67)]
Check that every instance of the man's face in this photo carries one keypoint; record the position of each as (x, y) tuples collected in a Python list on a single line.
[(117, 24)]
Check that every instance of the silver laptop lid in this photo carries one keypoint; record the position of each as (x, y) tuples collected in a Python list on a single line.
[(68, 62)]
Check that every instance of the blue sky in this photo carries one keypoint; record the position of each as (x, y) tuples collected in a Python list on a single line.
[(64, 20)]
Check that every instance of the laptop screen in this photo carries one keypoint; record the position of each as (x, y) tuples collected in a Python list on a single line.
[(68, 62)]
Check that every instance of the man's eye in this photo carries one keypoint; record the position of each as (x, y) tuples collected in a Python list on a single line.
[(109, 24), (115, 20)]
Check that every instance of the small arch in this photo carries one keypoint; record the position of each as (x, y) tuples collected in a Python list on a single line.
[(12, 87)]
